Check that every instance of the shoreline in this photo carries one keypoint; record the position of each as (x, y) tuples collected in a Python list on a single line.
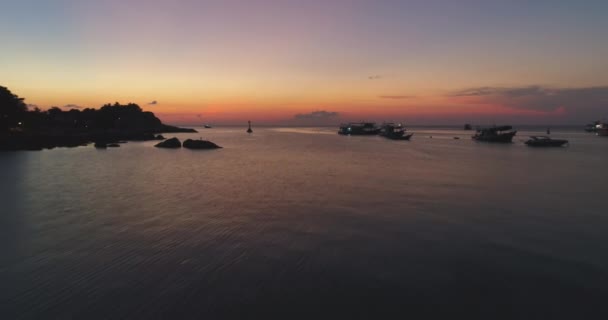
[(50, 139)]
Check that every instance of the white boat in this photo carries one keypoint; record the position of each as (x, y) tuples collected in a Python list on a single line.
[(601, 129)]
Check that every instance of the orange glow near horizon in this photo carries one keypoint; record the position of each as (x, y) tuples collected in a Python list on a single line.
[(183, 109), (268, 61)]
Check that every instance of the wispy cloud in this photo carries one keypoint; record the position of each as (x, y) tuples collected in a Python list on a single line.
[(321, 114), (152, 103), (396, 97), (591, 100), (512, 92), (375, 77)]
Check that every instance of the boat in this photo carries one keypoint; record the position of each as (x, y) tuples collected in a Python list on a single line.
[(601, 129), (395, 131), (208, 126), (359, 128), (468, 127), (502, 134), (249, 129), (544, 141), (592, 127)]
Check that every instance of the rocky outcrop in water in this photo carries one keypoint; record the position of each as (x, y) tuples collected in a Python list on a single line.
[(100, 145), (172, 143), (200, 144)]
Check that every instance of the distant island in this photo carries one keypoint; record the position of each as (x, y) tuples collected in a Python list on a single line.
[(23, 129)]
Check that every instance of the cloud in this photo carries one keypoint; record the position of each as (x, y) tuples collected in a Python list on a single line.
[(512, 92), (540, 98), (375, 77), (152, 103), (396, 97), (317, 115), (73, 106)]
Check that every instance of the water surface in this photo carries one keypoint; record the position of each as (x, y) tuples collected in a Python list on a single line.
[(302, 222)]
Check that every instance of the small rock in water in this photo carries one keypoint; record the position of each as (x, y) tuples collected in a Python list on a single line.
[(172, 143), (200, 144), (101, 145)]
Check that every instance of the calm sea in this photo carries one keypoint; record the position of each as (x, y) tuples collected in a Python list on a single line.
[(304, 223)]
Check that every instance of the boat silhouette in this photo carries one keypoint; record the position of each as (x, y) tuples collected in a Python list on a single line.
[(395, 131), (501, 134), (359, 128), (544, 141)]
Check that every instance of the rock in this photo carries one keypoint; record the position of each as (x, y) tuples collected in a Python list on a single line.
[(172, 143), (200, 144), (113, 145), (159, 137), (100, 145)]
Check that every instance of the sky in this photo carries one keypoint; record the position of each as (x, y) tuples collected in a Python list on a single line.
[(310, 62)]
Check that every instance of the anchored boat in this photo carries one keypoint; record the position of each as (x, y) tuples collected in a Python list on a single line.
[(601, 129), (544, 141), (502, 134), (395, 131), (592, 127), (359, 128)]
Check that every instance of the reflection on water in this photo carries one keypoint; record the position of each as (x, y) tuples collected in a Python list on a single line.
[(299, 223), (12, 189)]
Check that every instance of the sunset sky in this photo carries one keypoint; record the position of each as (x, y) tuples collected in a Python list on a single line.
[(312, 61)]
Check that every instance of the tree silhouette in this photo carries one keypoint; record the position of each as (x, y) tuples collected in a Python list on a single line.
[(23, 129), (12, 109)]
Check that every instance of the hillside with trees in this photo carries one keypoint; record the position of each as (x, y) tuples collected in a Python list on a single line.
[(24, 129)]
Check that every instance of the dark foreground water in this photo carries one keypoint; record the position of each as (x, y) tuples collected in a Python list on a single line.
[(304, 223)]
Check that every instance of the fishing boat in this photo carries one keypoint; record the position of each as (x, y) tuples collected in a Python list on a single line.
[(208, 126), (502, 134), (359, 128), (395, 131), (601, 129), (592, 127), (544, 141)]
